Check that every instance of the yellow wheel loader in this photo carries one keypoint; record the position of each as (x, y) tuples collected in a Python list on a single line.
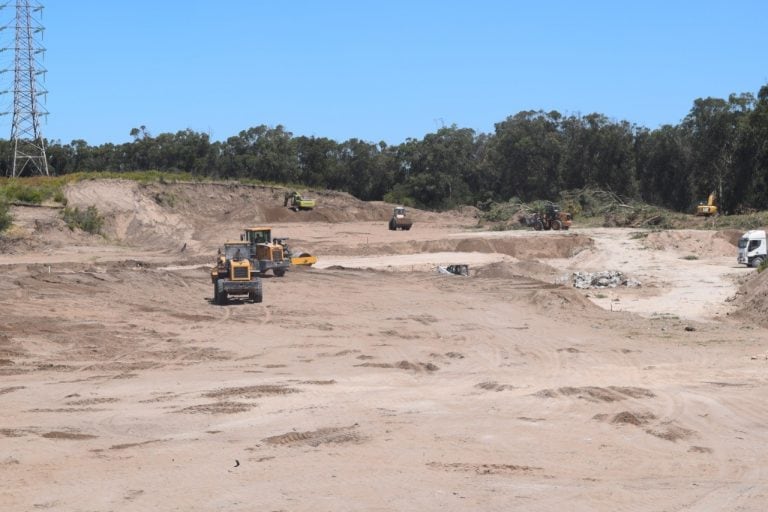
[(265, 254), (234, 275)]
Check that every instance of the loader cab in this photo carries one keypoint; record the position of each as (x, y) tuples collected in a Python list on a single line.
[(235, 251), (258, 235), (399, 211)]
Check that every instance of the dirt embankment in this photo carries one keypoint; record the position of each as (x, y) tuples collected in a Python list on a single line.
[(696, 242), (200, 215)]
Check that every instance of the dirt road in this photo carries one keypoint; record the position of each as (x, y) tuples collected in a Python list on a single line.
[(373, 383)]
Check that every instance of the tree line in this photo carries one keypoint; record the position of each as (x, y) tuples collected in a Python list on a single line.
[(720, 146)]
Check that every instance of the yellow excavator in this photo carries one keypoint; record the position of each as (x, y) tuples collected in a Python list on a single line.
[(709, 209), (296, 202)]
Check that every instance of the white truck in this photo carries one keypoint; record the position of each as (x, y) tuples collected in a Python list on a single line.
[(752, 249)]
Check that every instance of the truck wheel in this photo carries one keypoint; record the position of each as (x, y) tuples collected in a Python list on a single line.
[(757, 261), (279, 272)]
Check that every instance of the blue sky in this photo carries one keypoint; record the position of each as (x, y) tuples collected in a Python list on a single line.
[(384, 70)]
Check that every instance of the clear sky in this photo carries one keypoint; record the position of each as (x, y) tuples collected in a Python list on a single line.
[(383, 70)]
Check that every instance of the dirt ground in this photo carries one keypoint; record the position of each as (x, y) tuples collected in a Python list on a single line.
[(371, 381)]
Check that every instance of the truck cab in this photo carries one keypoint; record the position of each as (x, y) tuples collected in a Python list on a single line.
[(752, 248)]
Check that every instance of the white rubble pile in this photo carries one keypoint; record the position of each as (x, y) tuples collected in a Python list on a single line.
[(603, 279)]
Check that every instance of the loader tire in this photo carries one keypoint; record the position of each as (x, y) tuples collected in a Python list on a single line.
[(279, 272), (215, 294), (557, 225), (256, 297), (221, 297), (538, 225)]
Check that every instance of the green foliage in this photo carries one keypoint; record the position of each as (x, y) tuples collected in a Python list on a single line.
[(165, 198), (32, 190), (87, 220), (398, 195), (762, 266), (144, 177), (5, 215), (720, 146), (503, 212)]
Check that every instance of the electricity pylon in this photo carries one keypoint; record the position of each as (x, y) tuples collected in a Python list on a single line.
[(26, 136)]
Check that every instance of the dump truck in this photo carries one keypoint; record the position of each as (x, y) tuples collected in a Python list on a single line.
[(300, 258), (752, 248), (296, 202), (708, 209), (265, 254), (399, 219), (233, 274), (551, 217)]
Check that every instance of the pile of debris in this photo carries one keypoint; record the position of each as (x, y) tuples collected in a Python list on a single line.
[(604, 279), (458, 270)]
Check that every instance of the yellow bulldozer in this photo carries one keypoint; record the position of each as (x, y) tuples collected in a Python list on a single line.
[(708, 209)]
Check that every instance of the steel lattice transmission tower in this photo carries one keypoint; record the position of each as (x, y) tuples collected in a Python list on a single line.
[(26, 136)]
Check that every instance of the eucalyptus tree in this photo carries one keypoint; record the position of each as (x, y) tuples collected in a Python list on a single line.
[(261, 153), (715, 127), (524, 156), (663, 162)]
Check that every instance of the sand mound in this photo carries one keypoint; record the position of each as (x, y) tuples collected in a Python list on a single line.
[(696, 242), (563, 300), (531, 269), (528, 248), (173, 215), (42, 229), (752, 300)]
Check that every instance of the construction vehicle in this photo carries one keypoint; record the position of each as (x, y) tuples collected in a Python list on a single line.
[(752, 249), (233, 274), (551, 217), (399, 219), (301, 259), (709, 209), (295, 202), (264, 253)]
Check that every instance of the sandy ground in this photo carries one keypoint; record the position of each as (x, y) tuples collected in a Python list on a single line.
[(371, 382)]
